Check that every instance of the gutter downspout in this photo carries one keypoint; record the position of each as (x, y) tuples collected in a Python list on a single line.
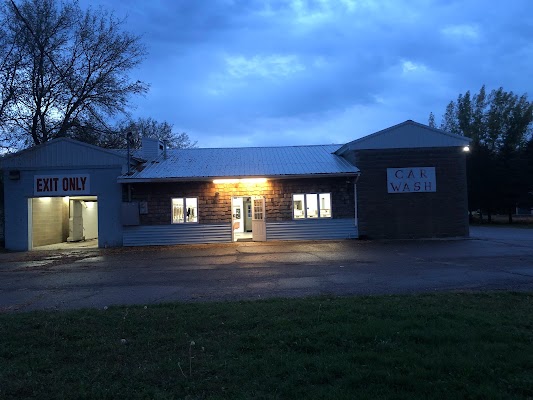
[(128, 140)]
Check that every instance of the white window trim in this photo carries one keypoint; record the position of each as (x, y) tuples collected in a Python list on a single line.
[(184, 208), (305, 206)]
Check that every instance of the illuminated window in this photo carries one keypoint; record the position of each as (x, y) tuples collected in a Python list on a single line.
[(258, 209), (298, 207), (312, 205), (184, 210), (325, 205)]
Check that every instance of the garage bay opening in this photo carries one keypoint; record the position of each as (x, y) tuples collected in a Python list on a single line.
[(63, 222)]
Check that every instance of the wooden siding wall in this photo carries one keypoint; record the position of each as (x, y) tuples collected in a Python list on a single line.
[(214, 201)]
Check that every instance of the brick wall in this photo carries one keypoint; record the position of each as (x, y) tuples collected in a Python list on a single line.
[(411, 215), (214, 201), (49, 221)]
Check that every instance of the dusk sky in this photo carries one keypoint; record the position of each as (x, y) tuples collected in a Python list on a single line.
[(235, 73)]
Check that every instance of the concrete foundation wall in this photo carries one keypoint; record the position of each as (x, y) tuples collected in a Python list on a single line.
[(411, 215)]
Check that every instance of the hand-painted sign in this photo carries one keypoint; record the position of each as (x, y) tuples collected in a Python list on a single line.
[(411, 180), (61, 185)]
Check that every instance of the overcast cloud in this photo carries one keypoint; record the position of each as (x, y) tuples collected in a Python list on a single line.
[(236, 73)]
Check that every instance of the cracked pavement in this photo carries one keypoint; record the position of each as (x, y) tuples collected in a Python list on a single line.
[(493, 258)]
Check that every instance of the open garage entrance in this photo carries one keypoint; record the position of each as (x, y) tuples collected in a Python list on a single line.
[(63, 222)]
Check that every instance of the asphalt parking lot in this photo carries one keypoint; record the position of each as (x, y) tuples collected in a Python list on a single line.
[(492, 259)]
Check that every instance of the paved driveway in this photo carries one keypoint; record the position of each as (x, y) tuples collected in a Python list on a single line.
[(493, 259)]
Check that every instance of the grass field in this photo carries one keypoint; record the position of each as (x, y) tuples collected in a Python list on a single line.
[(454, 345)]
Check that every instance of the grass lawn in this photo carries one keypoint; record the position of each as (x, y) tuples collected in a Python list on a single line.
[(424, 346)]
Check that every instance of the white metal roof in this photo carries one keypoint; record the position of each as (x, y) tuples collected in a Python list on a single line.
[(193, 164), (63, 152), (408, 134)]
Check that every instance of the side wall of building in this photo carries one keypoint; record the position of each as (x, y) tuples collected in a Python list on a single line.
[(214, 200), (103, 184), (384, 215), (215, 218)]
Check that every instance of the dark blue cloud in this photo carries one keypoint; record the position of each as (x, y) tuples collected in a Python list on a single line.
[(319, 71)]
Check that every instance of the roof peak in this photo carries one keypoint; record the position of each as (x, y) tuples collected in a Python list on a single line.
[(405, 136)]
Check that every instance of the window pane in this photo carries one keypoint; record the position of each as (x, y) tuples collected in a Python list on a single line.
[(298, 206), (192, 209), (312, 205), (325, 205), (177, 211), (258, 209)]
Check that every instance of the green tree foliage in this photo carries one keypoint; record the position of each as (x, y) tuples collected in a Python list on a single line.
[(63, 70), (500, 162)]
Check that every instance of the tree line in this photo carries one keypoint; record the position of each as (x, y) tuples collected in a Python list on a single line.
[(65, 72), (500, 162)]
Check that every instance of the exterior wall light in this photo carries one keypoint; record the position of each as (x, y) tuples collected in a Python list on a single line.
[(244, 180), (466, 149)]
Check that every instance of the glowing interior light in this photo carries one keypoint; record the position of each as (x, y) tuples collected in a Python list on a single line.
[(244, 180), (253, 180), (466, 149), (45, 199), (226, 181)]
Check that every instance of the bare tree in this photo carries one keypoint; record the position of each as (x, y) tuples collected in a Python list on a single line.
[(145, 127), (72, 72), (9, 64)]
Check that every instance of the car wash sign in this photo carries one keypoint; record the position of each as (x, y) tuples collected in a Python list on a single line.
[(411, 180), (61, 185)]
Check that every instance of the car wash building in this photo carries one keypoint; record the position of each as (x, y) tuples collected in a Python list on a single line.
[(62, 191), (407, 181)]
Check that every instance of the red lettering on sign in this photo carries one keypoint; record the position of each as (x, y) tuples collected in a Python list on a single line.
[(59, 184)]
